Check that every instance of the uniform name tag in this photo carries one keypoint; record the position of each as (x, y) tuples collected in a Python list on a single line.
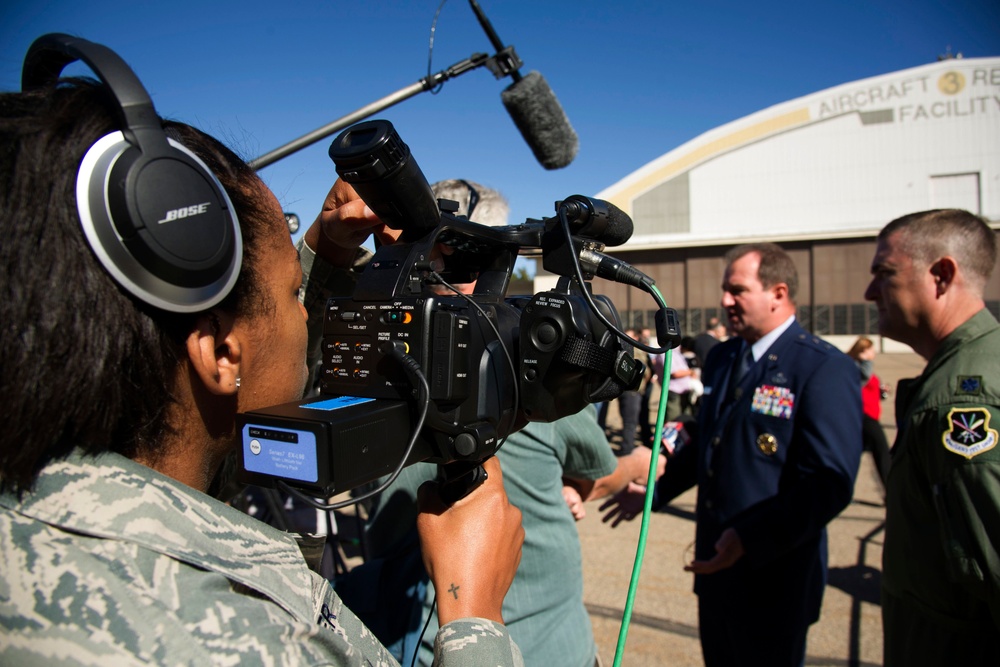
[(773, 401)]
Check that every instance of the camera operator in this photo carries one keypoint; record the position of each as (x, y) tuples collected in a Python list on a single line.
[(118, 415), (544, 609)]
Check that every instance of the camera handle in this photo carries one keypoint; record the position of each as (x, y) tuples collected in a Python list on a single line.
[(460, 478)]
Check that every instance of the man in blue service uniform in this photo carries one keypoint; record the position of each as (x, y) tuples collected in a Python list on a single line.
[(778, 446), (940, 565)]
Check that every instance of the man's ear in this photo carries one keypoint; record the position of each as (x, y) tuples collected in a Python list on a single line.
[(779, 292), (215, 352), (944, 271)]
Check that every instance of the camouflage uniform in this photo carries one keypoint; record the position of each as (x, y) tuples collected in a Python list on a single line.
[(108, 562)]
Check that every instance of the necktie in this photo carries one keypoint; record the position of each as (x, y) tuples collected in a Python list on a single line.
[(743, 364)]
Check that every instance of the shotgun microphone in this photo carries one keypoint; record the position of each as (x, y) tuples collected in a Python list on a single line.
[(538, 115), (531, 104)]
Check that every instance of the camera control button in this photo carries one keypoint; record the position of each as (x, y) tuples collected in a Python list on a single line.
[(465, 444)]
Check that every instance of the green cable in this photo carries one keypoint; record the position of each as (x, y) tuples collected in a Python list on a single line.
[(646, 510)]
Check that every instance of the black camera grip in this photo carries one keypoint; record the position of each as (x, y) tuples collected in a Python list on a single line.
[(460, 478)]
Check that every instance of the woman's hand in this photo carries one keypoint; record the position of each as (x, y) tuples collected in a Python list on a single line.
[(472, 548)]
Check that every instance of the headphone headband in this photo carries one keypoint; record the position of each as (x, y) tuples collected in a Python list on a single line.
[(155, 215)]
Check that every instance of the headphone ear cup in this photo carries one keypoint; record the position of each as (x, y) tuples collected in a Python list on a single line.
[(154, 214), (160, 223)]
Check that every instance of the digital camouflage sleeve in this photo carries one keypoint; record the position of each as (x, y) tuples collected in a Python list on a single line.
[(108, 562)]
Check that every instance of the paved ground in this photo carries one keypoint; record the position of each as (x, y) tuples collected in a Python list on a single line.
[(664, 627)]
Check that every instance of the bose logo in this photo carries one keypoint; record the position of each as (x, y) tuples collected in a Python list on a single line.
[(185, 212)]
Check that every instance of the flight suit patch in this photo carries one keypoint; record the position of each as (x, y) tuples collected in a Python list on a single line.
[(969, 433)]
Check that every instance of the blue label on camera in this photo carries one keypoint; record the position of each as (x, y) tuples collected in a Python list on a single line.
[(336, 403), (280, 453)]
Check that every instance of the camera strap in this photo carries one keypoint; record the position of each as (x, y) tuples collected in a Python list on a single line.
[(588, 355)]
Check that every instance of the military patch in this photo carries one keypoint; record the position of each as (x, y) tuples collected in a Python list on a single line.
[(969, 385), (773, 401), (969, 433)]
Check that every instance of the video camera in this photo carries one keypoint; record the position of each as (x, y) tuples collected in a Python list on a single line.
[(412, 374)]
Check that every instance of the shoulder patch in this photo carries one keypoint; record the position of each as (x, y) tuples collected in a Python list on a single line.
[(969, 385), (968, 433)]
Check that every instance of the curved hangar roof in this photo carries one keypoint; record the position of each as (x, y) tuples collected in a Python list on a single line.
[(840, 162)]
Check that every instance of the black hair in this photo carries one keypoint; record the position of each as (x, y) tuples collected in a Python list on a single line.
[(83, 364)]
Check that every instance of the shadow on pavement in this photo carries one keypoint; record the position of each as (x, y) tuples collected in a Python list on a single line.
[(861, 582)]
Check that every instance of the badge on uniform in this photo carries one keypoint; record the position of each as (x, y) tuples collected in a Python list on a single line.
[(969, 385), (969, 433), (773, 401), (767, 444)]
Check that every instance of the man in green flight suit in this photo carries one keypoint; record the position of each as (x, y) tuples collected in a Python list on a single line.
[(940, 570)]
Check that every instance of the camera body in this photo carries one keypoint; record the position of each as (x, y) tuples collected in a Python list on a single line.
[(402, 359)]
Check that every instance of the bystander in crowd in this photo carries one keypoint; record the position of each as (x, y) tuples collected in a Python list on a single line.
[(873, 436)]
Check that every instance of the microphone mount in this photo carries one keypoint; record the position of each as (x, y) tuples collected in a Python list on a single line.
[(424, 85), (505, 62)]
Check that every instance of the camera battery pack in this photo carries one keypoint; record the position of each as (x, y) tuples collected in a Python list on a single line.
[(325, 445)]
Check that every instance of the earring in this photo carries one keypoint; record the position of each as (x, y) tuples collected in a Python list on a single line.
[(237, 383)]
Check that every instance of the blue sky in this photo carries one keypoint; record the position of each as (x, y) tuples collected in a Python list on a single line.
[(636, 78)]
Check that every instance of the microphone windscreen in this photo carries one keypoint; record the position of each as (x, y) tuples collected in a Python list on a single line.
[(540, 118), (619, 229)]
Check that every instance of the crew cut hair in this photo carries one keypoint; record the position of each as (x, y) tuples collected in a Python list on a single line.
[(929, 235)]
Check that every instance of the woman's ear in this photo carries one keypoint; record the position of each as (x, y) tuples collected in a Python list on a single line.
[(215, 353)]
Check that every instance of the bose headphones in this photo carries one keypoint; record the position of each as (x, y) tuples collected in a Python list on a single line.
[(155, 216)]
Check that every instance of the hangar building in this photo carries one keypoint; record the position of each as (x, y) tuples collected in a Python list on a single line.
[(819, 175)]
